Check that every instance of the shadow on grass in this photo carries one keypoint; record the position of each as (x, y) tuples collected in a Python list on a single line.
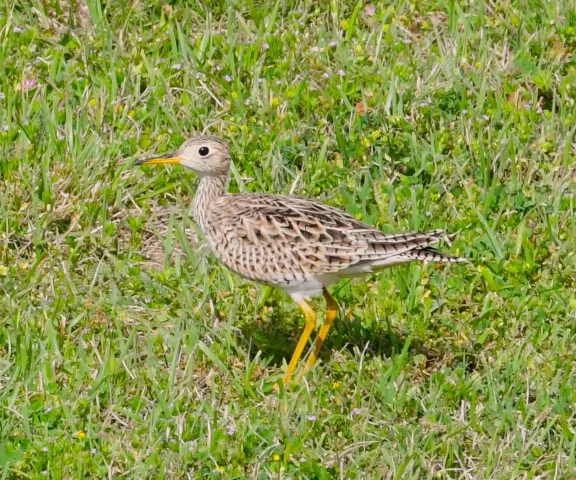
[(277, 339)]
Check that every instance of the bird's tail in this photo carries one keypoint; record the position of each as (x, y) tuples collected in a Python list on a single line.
[(394, 249), (431, 254)]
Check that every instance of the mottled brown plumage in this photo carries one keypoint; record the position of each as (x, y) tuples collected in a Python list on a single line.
[(296, 244)]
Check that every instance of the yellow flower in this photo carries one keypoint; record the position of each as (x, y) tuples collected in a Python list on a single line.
[(81, 435), (92, 102), (336, 385), (220, 469), (3, 270), (276, 458)]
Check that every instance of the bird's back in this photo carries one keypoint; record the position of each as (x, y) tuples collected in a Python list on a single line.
[(286, 240)]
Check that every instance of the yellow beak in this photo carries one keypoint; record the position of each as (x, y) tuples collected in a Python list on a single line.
[(151, 161)]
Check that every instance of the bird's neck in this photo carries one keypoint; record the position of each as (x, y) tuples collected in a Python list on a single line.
[(210, 189)]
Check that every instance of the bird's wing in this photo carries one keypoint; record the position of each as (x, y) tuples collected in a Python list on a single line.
[(294, 234)]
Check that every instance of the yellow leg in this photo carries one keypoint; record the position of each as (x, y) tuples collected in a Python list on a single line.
[(310, 316), (331, 314)]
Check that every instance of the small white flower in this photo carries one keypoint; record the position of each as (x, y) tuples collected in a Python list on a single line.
[(325, 75), (177, 66), (341, 72), (29, 83), (228, 78), (265, 46), (370, 10), (45, 449), (17, 29), (218, 68), (2, 96), (333, 43), (5, 128), (355, 412), (247, 101), (486, 117)]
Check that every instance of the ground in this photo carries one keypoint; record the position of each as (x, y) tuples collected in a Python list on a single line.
[(127, 351)]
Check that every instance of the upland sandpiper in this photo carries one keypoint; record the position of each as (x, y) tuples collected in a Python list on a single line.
[(296, 244)]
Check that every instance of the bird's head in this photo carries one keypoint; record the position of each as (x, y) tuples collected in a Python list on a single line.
[(206, 155)]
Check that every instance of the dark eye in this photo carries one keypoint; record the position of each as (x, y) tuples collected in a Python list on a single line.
[(203, 151)]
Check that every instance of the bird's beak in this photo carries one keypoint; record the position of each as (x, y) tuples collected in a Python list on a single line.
[(155, 160)]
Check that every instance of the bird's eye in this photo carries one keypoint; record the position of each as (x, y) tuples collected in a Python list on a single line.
[(203, 151)]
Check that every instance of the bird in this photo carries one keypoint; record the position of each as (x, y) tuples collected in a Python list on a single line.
[(296, 244)]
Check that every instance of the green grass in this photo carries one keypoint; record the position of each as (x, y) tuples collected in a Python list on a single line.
[(127, 351)]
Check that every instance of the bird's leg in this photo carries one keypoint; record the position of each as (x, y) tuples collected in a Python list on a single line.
[(331, 314), (310, 316)]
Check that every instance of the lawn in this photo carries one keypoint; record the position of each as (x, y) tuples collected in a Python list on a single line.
[(127, 351)]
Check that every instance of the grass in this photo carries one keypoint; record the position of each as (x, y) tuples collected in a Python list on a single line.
[(127, 351)]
